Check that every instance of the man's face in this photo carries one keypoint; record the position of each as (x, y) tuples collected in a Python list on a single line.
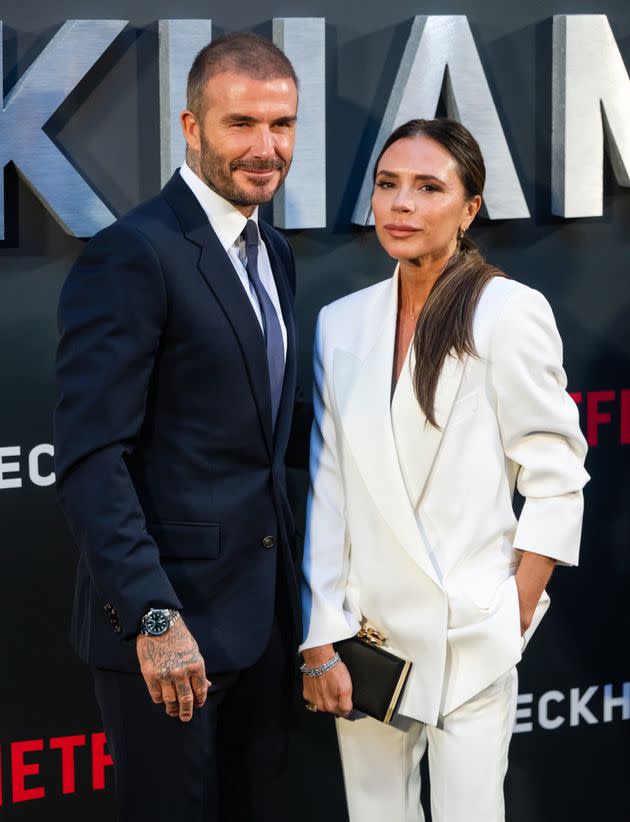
[(242, 144)]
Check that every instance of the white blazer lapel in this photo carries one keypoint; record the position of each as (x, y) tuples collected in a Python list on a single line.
[(362, 393), (417, 442)]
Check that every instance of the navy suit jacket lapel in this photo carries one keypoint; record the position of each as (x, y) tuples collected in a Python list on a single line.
[(285, 411), (218, 272)]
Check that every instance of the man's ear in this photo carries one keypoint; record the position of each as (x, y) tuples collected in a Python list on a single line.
[(190, 129)]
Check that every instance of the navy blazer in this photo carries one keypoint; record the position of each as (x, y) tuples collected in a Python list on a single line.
[(168, 471)]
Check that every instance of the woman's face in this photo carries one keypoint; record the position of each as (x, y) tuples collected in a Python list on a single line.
[(419, 202)]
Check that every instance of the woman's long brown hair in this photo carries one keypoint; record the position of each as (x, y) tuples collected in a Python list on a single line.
[(444, 326)]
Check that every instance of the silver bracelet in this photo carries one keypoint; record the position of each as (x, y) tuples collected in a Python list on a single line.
[(320, 669)]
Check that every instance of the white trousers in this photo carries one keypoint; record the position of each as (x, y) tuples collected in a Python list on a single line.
[(468, 755)]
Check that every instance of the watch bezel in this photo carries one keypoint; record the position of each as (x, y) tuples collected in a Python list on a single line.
[(157, 621)]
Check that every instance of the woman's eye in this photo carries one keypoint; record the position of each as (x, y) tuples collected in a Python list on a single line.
[(428, 187), (384, 184)]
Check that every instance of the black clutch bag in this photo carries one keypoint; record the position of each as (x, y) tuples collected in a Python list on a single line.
[(378, 676)]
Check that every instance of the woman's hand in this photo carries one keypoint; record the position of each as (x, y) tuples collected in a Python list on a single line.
[(331, 692), (532, 576)]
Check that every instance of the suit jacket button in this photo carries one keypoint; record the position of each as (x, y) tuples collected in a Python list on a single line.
[(268, 542)]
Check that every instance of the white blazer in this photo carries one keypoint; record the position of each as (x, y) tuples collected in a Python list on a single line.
[(411, 528)]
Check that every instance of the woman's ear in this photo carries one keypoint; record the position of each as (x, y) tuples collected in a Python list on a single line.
[(472, 209)]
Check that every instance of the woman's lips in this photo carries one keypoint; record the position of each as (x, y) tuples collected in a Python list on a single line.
[(400, 230)]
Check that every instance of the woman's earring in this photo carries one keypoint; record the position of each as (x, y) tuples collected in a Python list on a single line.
[(460, 235)]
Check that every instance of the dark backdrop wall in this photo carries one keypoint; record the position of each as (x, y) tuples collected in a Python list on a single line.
[(570, 753)]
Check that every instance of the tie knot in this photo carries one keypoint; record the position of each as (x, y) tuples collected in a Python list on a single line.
[(250, 233)]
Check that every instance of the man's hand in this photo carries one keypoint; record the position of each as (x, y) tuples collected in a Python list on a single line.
[(174, 670), (332, 691)]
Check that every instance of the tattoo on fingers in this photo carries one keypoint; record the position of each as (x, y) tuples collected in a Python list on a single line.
[(183, 690)]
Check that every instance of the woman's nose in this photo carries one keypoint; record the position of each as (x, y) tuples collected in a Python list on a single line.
[(403, 202)]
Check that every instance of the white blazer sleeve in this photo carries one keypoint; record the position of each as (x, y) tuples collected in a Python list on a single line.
[(539, 426), (325, 566)]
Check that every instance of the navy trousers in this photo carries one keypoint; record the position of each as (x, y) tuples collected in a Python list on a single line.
[(228, 764)]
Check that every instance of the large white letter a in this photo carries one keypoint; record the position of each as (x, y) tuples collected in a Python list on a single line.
[(439, 44)]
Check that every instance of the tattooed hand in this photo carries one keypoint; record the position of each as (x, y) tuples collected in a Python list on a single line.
[(173, 670)]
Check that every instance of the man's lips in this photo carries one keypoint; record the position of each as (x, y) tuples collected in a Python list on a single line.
[(265, 170), (258, 172)]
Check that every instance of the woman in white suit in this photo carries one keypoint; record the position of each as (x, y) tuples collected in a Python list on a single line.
[(437, 392)]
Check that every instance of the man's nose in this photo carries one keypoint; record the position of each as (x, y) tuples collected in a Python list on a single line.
[(264, 145)]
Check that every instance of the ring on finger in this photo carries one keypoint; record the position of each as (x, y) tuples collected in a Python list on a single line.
[(310, 707)]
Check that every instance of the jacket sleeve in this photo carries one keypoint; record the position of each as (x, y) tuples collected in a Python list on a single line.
[(326, 548), (539, 426), (111, 314)]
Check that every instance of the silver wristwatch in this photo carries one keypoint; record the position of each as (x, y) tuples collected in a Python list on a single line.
[(157, 621)]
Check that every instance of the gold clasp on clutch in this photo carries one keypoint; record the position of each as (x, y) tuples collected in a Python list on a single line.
[(371, 636)]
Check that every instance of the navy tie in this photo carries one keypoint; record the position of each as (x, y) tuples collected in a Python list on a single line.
[(271, 324)]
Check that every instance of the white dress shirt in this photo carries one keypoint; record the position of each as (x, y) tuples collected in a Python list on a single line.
[(228, 224)]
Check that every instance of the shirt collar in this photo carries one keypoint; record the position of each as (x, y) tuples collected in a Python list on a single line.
[(226, 220)]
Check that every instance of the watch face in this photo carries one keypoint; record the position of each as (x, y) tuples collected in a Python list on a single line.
[(157, 621)]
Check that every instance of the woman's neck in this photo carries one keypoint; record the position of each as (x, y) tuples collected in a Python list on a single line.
[(416, 279)]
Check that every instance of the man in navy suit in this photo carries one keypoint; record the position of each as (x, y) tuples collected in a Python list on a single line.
[(177, 376)]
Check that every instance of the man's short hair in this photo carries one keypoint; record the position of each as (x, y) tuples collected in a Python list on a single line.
[(241, 53)]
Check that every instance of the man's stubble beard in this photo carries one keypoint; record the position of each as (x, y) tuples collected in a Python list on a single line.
[(213, 169)]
